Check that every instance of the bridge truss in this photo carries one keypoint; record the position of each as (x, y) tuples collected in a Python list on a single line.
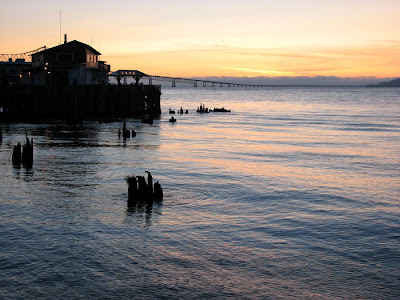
[(137, 75), (27, 56)]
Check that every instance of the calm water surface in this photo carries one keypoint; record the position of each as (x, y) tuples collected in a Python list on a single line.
[(294, 194)]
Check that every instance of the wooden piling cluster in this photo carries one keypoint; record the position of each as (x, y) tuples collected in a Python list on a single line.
[(126, 133), (139, 190), (25, 156), (202, 109), (80, 102)]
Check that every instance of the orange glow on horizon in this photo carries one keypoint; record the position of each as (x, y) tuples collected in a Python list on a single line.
[(379, 61), (183, 39)]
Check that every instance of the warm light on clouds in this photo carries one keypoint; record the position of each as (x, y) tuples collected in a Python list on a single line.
[(218, 38), (259, 72), (378, 59)]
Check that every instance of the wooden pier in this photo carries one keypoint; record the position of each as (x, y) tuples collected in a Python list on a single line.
[(24, 102)]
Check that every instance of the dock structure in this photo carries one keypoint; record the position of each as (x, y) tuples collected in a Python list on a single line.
[(79, 102), (69, 81)]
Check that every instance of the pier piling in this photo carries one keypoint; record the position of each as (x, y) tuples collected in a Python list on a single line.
[(140, 191), (16, 155)]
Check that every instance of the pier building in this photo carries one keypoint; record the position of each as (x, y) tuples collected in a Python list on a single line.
[(67, 64), (69, 81)]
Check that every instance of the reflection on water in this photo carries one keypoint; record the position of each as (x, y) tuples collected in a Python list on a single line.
[(142, 211), (22, 172), (294, 194)]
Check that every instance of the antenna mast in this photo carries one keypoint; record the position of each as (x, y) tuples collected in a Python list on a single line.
[(60, 26)]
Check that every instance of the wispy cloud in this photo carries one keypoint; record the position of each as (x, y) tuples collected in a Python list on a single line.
[(263, 72)]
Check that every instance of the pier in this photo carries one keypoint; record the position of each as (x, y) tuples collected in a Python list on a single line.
[(76, 103), (70, 82)]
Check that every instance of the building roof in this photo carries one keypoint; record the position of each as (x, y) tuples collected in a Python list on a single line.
[(72, 44)]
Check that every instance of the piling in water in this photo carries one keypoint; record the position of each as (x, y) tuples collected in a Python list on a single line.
[(158, 192), (16, 155), (25, 156), (27, 153), (126, 133), (149, 184), (140, 190), (124, 130)]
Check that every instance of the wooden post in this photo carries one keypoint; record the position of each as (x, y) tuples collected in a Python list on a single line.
[(16, 155), (125, 133), (132, 190), (158, 192), (132, 186), (149, 184), (140, 191), (27, 153), (143, 189)]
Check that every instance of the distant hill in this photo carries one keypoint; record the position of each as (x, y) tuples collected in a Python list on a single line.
[(392, 83)]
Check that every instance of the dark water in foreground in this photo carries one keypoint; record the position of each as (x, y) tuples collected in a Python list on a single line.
[(294, 194)]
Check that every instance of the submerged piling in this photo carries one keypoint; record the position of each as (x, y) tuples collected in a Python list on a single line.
[(139, 190), (25, 156), (124, 130), (126, 133), (16, 155), (27, 153), (158, 191), (149, 184), (142, 188)]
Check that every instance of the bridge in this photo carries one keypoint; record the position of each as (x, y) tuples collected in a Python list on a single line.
[(138, 75), (27, 56)]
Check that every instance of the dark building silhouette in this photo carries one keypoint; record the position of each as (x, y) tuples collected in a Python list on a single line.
[(70, 82), (71, 63), (11, 71)]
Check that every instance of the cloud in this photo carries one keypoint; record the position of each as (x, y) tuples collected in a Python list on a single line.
[(247, 70)]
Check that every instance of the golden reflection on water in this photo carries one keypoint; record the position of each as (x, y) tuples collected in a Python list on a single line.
[(299, 156)]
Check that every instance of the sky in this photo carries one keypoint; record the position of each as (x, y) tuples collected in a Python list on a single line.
[(253, 38)]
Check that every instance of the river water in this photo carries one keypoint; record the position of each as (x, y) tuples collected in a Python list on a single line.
[(294, 194)]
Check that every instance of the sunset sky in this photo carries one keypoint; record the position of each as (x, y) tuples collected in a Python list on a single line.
[(344, 38)]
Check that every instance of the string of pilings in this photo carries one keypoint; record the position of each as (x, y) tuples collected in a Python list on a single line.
[(27, 56)]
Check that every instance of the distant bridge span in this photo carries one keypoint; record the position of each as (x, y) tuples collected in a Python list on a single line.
[(137, 75)]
